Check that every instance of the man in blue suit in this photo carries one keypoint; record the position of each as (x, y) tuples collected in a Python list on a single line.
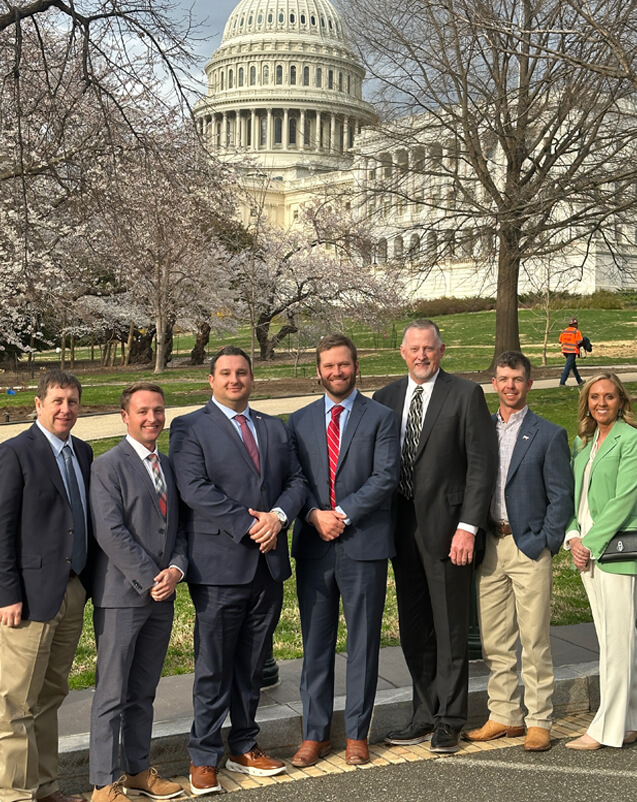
[(242, 485), (348, 447), (530, 509)]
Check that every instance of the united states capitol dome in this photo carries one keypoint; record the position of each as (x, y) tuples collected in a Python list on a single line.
[(316, 18), (285, 87)]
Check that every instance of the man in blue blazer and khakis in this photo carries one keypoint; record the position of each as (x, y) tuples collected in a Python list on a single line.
[(242, 485), (348, 447), (44, 544), (140, 559), (530, 509)]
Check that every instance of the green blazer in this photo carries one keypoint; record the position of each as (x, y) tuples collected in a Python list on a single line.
[(612, 491)]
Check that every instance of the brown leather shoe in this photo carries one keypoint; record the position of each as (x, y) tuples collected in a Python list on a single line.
[(256, 763), (150, 784), (309, 753), (356, 752), (109, 793), (538, 739), (203, 780), (492, 730), (58, 796)]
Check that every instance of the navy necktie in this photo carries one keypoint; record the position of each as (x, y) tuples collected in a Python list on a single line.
[(78, 555)]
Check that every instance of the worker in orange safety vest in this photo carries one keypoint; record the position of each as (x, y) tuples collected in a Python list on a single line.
[(570, 339)]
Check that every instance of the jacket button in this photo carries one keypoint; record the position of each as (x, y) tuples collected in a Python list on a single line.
[(68, 559), (161, 531), (70, 531)]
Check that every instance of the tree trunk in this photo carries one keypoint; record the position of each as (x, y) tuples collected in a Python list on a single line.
[(507, 329), (198, 353), (129, 342), (547, 324), (160, 344)]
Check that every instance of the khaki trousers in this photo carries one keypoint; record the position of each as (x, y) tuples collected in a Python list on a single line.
[(35, 661), (514, 601), (613, 603)]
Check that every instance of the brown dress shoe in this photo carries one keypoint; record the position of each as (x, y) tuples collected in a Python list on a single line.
[(150, 784), (203, 780), (256, 763), (492, 730), (309, 753), (58, 796), (538, 739), (356, 752), (108, 793)]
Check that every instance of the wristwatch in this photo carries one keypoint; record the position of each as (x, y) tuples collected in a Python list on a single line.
[(281, 516)]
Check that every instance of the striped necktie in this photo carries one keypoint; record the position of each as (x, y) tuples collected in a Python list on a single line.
[(160, 485), (410, 444), (333, 445)]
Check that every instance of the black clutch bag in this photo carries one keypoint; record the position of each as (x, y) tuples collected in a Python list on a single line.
[(622, 547)]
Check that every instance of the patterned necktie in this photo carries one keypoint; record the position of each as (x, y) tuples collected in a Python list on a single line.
[(78, 554), (410, 444), (249, 441), (160, 485), (333, 437)]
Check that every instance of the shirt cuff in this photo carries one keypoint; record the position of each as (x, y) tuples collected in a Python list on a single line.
[(569, 536), (347, 521), (468, 528), (178, 569)]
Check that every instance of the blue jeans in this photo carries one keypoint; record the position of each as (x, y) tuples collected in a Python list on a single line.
[(570, 365)]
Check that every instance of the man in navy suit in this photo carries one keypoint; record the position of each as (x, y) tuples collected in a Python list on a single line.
[(531, 506), (140, 560), (242, 485), (448, 468), (44, 540), (349, 451)]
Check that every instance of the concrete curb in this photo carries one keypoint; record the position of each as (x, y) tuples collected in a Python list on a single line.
[(576, 691)]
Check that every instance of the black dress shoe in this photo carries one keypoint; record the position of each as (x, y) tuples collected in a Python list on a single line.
[(412, 734), (446, 739)]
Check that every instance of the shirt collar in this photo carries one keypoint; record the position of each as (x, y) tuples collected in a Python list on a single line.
[(515, 417), (56, 444), (426, 386), (141, 450), (346, 403), (231, 413)]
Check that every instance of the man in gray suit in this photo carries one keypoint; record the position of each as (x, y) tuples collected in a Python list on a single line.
[(531, 506), (349, 452), (140, 560)]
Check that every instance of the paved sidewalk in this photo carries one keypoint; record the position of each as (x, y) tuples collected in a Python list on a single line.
[(575, 654)]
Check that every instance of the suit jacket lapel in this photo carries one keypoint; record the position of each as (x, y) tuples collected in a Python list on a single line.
[(436, 403), (610, 443), (358, 410), (262, 438), (50, 466), (527, 432), (320, 433), (140, 471), (217, 418)]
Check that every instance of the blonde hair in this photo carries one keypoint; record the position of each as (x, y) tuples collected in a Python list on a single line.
[(586, 424)]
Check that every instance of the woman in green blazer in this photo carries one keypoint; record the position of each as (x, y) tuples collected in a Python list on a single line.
[(605, 471)]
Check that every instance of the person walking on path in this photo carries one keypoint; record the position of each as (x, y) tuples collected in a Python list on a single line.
[(570, 340)]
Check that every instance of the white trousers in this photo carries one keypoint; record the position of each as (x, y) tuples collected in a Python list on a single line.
[(613, 603)]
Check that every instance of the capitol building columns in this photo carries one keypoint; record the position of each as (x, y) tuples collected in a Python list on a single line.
[(284, 87)]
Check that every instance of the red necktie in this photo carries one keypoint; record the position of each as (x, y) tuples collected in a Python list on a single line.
[(333, 436), (249, 441), (160, 485)]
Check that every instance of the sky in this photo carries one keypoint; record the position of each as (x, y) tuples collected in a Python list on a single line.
[(213, 14)]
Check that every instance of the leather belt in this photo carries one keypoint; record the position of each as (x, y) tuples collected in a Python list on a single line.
[(501, 528)]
